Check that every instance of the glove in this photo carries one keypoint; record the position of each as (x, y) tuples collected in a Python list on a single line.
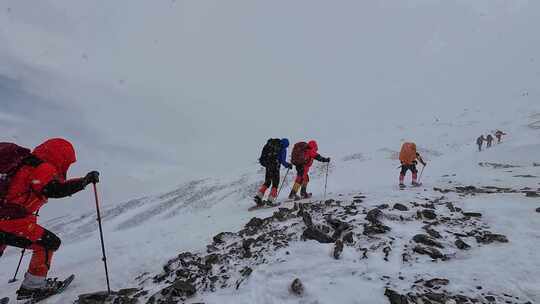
[(327, 160), (92, 177), (424, 163), (289, 166)]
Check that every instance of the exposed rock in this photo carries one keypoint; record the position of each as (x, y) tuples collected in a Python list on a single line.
[(348, 238), (255, 223), (220, 237), (338, 226), (212, 259), (472, 214), (426, 240), (433, 283), (532, 194), (329, 202), (436, 297), (432, 252), (338, 249), (401, 207), (121, 297), (182, 288), (306, 217), (311, 233), (387, 250), (462, 245), (383, 206), (538, 209), (374, 215), (376, 228), (297, 287), (489, 238), (432, 232), (497, 165), (429, 214), (490, 299), (395, 298)]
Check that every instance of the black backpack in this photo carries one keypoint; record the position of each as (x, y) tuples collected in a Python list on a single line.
[(270, 152)]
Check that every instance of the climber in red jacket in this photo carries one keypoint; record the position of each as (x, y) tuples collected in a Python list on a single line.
[(41, 178)]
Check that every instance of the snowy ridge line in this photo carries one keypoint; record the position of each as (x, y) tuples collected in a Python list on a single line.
[(403, 237), (193, 195)]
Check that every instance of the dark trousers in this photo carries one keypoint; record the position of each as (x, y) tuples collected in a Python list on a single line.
[(405, 168), (272, 176)]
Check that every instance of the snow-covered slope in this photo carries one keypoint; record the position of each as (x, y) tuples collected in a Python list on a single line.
[(155, 93), (143, 234)]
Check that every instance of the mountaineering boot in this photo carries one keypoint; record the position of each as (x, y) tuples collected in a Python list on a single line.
[(294, 190), (36, 287), (303, 193), (414, 178), (272, 198), (258, 199)]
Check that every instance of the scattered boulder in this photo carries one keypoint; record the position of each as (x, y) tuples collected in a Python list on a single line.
[(348, 238), (383, 206), (489, 238), (374, 215), (432, 232), (306, 217), (182, 288), (462, 245), (221, 237), (472, 214), (376, 228), (338, 249), (124, 296), (429, 214), (395, 298), (432, 252), (436, 283), (311, 233), (531, 194), (255, 223), (426, 240), (297, 287), (401, 207)]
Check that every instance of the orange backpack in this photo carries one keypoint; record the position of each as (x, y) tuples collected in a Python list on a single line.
[(408, 153)]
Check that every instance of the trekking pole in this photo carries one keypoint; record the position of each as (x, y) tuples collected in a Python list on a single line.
[(421, 172), (101, 236), (20, 261), (283, 182), (18, 266), (326, 181)]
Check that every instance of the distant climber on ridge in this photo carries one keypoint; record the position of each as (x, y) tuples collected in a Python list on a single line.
[(480, 141), (499, 134), (489, 140), (29, 180), (409, 158), (273, 155), (303, 155)]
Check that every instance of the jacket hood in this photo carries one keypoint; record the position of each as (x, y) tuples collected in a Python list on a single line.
[(57, 152), (313, 145), (284, 143)]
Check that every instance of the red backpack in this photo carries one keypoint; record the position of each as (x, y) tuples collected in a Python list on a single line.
[(298, 157), (12, 158)]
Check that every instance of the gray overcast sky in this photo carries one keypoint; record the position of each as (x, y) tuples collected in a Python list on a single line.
[(151, 90)]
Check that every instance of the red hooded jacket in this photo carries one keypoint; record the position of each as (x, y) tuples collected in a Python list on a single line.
[(26, 187)]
